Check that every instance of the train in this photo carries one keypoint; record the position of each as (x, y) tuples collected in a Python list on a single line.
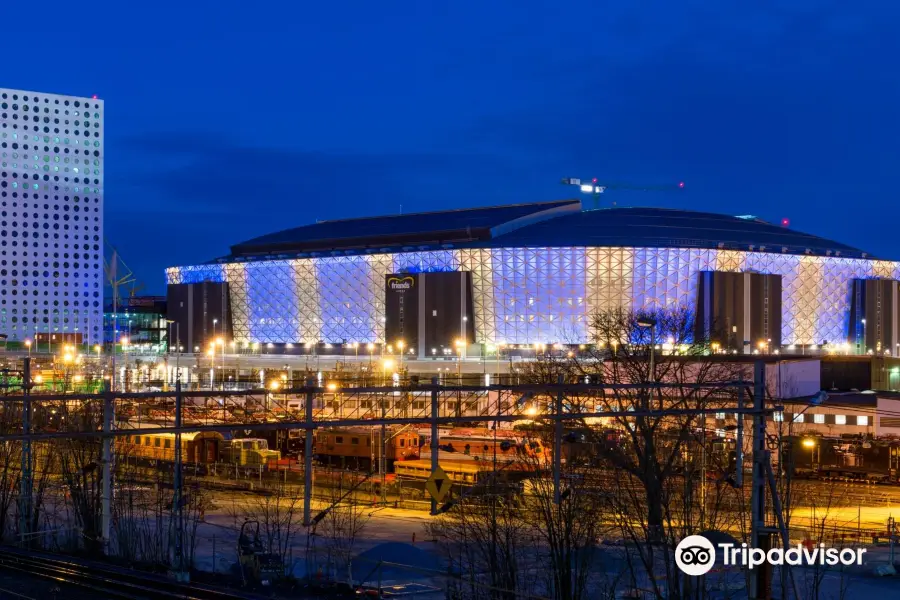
[(356, 447), (197, 448), (852, 458), (508, 448)]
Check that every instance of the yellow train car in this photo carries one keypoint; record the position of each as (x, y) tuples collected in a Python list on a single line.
[(196, 447), (248, 452), (461, 472)]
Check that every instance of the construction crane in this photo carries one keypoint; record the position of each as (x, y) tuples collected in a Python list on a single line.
[(119, 275), (596, 188)]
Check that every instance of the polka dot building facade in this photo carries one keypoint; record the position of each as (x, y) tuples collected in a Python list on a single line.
[(51, 216)]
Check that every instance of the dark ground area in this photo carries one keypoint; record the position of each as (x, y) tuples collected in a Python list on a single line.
[(20, 586)]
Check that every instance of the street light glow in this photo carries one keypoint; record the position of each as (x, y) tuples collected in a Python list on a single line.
[(809, 443)]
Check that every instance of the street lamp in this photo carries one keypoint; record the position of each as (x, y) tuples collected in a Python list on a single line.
[(812, 446), (211, 353), (28, 345), (460, 345), (124, 342), (221, 343), (388, 364)]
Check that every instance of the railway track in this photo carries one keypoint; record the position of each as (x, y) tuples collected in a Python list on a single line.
[(109, 582)]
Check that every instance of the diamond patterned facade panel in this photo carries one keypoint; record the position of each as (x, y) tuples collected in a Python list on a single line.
[(238, 290), (270, 302), (478, 262), (609, 279), (524, 295), (667, 277), (539, 295), (346, 299), (306, 287)]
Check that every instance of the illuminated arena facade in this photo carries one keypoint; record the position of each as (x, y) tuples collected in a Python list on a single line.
[(538, 272)]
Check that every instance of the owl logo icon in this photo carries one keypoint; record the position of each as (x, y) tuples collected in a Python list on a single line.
[(695, 555)]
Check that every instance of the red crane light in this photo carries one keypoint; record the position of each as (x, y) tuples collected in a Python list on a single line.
[(680, 185), (94, 96), (594, 180), (785, 222)]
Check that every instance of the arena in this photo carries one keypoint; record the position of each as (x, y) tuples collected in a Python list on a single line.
[(530, 274)]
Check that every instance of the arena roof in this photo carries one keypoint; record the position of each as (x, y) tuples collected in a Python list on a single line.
[(544, 224)]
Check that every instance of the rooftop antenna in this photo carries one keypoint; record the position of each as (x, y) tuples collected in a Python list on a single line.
[(596, 188)]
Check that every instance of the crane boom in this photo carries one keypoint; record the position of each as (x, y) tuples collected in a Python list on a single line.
[(596, 188)]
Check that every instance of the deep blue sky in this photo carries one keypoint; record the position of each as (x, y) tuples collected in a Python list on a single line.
[(230, 119)]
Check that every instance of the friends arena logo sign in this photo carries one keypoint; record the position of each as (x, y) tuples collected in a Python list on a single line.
[(695, 555), (401, 284)]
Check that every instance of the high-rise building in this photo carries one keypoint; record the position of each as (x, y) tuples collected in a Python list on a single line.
[(51, 217)]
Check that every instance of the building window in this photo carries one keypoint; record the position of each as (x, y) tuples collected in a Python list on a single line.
[(840, 419), (798, 418), (339, 440), (779, 417), (863, 421), (819, 419), (354, 441), (720, 415)]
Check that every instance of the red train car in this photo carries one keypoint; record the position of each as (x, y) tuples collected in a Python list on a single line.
[(356, 447)]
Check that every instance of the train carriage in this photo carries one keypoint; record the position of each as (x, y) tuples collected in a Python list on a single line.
[(354, 448), (196, 447)]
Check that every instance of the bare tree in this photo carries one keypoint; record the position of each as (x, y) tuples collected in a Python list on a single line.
[(340, 528), (652, 361), (280, 515)]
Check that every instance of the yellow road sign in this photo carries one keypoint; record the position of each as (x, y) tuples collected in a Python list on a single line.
[(438, 485)]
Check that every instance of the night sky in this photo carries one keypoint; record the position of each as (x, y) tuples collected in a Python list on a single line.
[(230, 119)]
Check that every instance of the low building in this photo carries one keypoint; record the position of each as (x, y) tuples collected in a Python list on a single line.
[(140, 319)]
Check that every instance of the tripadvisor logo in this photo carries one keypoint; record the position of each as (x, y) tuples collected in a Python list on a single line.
[(695, 555)]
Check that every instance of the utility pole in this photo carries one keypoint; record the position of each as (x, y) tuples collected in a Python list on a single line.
[(434, 435), (181, 574), (759, 534), (106, 485), (307, 457), (557, 441), (382, 466), (27, 477)]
